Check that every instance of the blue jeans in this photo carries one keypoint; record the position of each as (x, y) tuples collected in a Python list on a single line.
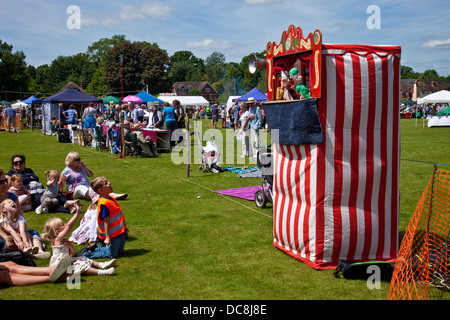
[(117, 245)]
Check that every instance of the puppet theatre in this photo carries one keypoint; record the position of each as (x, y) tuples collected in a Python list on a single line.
[(336, 154)]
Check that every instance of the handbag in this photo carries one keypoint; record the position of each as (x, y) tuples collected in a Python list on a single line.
[(18, 257), (353, 270)]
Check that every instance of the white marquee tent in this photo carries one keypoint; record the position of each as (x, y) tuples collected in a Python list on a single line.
[(186, 100), (19, 105), (442, 96), (230, 101)]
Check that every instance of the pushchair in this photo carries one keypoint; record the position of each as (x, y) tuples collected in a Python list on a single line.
[(209, 157), (264, 163)]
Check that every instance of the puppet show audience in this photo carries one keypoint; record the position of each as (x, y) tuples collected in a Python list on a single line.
[(86, 233), (5, 194), (75, 177), (17, 187), (52, 197), (13, 274), (111, 221), (15, 225), (55, 231), (29, 179)]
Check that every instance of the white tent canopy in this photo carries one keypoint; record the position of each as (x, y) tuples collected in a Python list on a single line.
[(186, 100), (230, 101), (19, 105), (442, 96)]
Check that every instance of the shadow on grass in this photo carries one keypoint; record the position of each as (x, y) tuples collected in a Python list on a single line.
[(134, 252)]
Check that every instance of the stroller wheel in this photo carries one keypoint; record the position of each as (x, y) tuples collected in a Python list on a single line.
[(260, 199)]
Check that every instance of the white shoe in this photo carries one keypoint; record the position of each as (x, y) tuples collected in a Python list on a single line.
[(61, 268), (107, 264), (39, 210), (109, 271), (45, 210)]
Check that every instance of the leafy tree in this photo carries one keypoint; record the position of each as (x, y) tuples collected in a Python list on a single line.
[(431, 74), (408, 73), (215, 66), (77, 69), (143, 64), (154, 62), (184, 66), (97, 86), (13, 76), (43, 82), (97, 50)]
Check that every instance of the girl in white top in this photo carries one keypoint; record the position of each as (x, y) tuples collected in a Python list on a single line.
[(55, 230), (16, 225)]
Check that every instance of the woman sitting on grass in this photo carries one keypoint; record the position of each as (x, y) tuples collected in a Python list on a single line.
[(12, 274), (29, 179), (76, 175)]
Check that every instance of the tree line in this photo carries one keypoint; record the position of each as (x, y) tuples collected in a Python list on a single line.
[(114, 65), (100, 71)]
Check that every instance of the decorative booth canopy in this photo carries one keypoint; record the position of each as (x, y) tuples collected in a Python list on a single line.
[(335, 196)]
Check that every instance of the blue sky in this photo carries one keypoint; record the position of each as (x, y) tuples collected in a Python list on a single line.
[(233, 27)]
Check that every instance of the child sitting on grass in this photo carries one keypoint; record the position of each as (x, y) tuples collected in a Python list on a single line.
[(55, 231), (51, 197), (16, 226), (112, 227), (20, 191)]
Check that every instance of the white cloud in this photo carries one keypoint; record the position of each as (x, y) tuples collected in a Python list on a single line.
[(156, 10), (152, 10), (209, 44), (436, 44), (256, 2), (129, 13), (104, 22)]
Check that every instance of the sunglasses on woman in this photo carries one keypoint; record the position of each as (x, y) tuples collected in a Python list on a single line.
[(3, 181), (18, 162)]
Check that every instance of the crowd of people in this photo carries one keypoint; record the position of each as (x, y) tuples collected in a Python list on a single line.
[(424, 110), (103, 228)]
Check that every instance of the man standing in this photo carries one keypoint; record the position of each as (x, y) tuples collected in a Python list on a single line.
[(10, 114), (179, 114), (255, 119), (215, 115), (62, 118)]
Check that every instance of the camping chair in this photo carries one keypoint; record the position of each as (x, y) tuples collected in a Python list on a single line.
[(135, 148)]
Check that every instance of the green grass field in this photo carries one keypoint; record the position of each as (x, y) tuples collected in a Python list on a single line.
[(187, 242)]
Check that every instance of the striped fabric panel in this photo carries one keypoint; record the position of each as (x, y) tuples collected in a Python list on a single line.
[(340, 199)]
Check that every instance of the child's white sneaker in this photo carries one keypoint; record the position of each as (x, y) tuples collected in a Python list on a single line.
[(107, 264), (107, 272), (39, 210)]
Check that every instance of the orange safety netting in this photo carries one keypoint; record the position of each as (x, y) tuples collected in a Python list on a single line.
[(424, 255)]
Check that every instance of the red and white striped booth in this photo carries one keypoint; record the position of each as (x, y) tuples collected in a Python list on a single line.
[(340, 199)]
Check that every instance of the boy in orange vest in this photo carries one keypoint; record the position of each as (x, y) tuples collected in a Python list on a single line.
[(112, 227)]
